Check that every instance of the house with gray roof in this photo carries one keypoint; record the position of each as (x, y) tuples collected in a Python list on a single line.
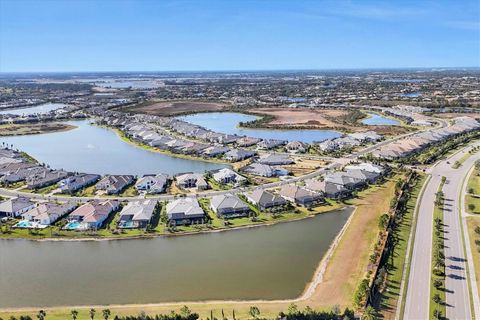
[(228, 176), (191, 181), (300, 196), (229, 206), (152, 184), (48, 213), (328, 189), (79, 181), (15, 207), (265, 200), (137, 214), (238, 155), (274, 159), (45, 178), (115, 184), (184, 211)]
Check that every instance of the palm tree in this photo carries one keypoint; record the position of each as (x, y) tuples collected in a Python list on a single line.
[(369, 313), (106, 313), (74, 314), (436, 298), (92, 313), (254, 312), (41, 315)]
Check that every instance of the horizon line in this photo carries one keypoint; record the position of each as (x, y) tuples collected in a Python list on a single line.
[(247, 70)]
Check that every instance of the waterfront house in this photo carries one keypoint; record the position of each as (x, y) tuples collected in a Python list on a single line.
[(137, 214), (152, 183), (228, 176), (15, 207), (114, 184), (247, 141), (265, 200), (259, 169), (184, 211), (328, 145), (267, 144), (274, 159), (300, 196), (238, 155), (191, 180), (74, 183), (45, 178), (229, 206), (93, 214), (48, 213), (215, 151), (346, 180), (296, 146), (328, 189)]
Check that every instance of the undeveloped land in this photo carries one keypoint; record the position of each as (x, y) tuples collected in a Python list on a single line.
[(166, 109), (319, 119), (451, 115), (33, 128)]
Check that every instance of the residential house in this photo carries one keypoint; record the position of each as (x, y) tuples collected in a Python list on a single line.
[(296, 146), (238, 155), (45, 178), (79, 181), (114, 184), (265, 200), (152, 183), (328, 189), (15, 207), (184, 211), (274, 159), (93, 214), (48, 213), (191, 180), (228, 206), (228, 176), (137, 214), (300, 196)]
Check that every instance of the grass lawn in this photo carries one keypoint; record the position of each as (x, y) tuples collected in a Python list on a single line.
[(395, 266), (472, 201), (131, 191), (460, 161), (472, 223), (474, 182)]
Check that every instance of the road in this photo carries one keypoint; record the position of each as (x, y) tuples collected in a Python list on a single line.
[(457, 295)]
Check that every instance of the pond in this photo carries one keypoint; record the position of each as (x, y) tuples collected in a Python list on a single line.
[(42, 108), (375, 119), (269, 262), (94, 149), (227, 122)]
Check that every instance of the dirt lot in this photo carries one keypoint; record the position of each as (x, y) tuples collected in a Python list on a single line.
[(451, 115), (319, 119), (175, 108)]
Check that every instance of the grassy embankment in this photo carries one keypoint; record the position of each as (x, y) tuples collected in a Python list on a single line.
[(437, 283), (472, 198), (347, 265), (473, 229), (396, 265)]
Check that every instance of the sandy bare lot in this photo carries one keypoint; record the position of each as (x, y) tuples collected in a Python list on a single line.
[(176, 108), (451, 115)]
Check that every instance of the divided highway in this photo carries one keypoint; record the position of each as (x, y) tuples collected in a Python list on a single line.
[(457, 295)]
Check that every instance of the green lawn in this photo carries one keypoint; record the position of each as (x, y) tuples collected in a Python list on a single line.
[(472, 201), (474, 182), (395, 266)]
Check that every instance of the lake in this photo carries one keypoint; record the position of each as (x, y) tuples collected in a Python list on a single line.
[(269, 262), (42, 108), (94, 149), (375, 119), (227, 122)]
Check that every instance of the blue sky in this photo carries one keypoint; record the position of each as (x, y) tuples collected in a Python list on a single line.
[(87, 35)]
